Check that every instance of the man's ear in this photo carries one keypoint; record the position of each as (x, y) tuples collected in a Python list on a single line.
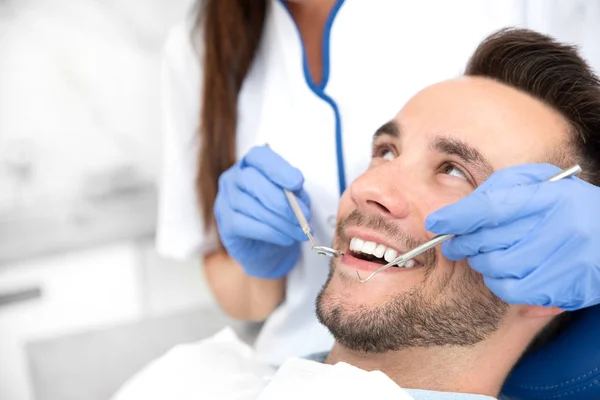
[(540, 311)]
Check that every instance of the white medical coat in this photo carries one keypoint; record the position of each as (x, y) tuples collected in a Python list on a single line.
[(377, 54)]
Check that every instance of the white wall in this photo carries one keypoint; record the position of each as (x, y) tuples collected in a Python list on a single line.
[(79, 97), (80, 89)]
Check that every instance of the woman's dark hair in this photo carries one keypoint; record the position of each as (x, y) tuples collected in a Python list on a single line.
[(231, 31)]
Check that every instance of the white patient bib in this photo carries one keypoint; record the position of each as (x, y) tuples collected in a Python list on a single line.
[(300, 379)]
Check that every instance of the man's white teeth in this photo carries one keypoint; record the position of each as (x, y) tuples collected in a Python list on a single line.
[(390, 255), (378, 250), (369, 247), (356, 244)]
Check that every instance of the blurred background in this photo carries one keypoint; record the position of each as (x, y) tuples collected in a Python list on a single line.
[(84, 299), (79, 155)]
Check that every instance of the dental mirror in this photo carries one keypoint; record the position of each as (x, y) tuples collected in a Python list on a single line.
[(321, 250)]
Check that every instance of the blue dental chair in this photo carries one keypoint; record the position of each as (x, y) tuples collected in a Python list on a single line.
[(567, 368)]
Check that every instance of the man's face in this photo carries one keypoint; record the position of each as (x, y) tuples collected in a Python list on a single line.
[(443, 144)]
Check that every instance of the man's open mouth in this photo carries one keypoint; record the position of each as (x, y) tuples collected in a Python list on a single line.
[(374, 252)]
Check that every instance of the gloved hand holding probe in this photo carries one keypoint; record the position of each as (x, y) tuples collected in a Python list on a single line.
[(254, 219), (534, 242)]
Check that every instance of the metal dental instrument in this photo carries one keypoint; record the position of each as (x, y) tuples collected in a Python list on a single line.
[(321, 250), (439, 239)]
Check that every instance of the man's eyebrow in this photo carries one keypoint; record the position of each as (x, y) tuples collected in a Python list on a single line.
[(390, 128), (464, 151)]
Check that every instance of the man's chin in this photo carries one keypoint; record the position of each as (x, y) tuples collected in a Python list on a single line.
[(344, 298), (355, 320), (381, 315)]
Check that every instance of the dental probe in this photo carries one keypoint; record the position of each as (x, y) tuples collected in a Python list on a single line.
[(439, 239), (321, 250)]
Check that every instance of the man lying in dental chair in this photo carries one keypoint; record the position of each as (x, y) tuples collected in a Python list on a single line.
[(525, 107)]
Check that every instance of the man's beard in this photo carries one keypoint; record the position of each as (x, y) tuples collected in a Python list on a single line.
[(447, 311)]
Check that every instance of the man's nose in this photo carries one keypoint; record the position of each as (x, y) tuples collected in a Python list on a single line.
[(382, 190)]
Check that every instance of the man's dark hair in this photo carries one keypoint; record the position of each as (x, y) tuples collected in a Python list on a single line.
[(554, 73)]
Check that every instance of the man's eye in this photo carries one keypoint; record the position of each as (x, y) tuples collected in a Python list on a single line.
[(454, 171), (384, 151), (388, 155)]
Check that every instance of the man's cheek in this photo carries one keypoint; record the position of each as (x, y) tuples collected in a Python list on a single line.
[(461, 271), (446, 269), (345, 206)]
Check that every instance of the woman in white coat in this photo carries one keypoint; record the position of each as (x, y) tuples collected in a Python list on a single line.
[(313, 79)]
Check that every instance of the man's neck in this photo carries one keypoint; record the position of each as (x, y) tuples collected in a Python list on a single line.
[(479, 369)]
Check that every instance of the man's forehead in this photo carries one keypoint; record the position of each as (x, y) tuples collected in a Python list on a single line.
[(510, 126), (477, 101)]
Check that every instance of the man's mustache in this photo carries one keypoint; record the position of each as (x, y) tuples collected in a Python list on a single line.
[(387, 228)]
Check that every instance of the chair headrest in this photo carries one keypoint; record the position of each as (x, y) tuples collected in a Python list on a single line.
[(567, 368)]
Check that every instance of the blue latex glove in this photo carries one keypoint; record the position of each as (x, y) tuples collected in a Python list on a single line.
[(255, 221), (534, 242)]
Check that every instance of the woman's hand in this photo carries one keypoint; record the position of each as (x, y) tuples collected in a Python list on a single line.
[(534, 242), (254, 219)]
